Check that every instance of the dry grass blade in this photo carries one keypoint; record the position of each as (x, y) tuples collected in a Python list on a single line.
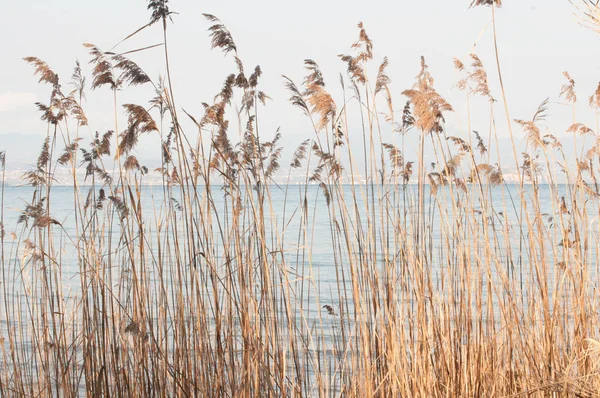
[(383, 81), (364, 52), (428, 105), (595, 98), (317, 97), (141, 49), (479, 76), (588, 13), (131, 73), (480, 144), (477, 3), (568, 90), (580, 129), (459, 65), (300, 154), (297, 99), (42, 69), (160, 10), (532, 130), (103, 68), (139, 122), (220, 36)]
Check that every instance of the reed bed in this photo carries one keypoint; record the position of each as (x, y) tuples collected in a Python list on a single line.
[(447, 280)]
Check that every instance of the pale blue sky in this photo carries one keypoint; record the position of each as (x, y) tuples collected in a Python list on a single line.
[(538, 41)]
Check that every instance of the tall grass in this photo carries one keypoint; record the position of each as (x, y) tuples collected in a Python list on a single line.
[(448, 281)]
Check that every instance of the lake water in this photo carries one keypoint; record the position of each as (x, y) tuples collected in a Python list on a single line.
[(315, 255), (283, 213)]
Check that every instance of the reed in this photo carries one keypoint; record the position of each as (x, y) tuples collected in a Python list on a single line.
[(447, 279)]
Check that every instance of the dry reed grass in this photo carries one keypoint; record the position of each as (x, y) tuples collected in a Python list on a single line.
[(204, 297)]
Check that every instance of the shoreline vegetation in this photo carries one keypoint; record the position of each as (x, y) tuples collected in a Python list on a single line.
[(204, 295)]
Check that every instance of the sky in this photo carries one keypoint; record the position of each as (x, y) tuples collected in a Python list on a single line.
[(538, 39)]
